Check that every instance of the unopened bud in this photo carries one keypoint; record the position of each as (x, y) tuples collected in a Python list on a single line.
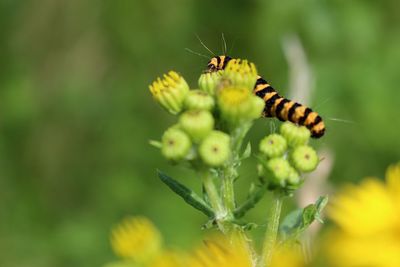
[(209, 82), (198, 99), (197, 123), (214, 150), (295, 135), (273, 145), (304, 158), (280, 169), (176, 144)]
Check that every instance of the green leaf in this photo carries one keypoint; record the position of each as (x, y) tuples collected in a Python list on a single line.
[(246, 152), (297, 221), (188, 195), (155, 143)]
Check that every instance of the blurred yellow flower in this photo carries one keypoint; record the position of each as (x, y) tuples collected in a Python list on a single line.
[(368, 219), (221, 252), (169, 259), (287, 257), (136, 238)]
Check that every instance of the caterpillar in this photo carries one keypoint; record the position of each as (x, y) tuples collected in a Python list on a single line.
[(276, 105)]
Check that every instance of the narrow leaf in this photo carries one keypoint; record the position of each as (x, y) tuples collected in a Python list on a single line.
[(247, 151), (188, 195)]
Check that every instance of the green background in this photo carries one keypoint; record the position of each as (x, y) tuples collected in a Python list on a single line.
[(76, 114)]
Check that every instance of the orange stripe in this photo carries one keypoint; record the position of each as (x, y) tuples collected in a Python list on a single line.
[(298, 113), (285, 110)]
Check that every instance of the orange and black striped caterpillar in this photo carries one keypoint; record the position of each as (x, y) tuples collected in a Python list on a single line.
[(275, 105)]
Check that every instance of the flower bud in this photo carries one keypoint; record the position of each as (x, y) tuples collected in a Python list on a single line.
[(273, 145), (176, 144), (198, 99), (197, 123), (238, 105), (295, 135), (304, 158), (293, 177), (215, 150), (170, 92), (209, 81), (280, 169), (241, 73)]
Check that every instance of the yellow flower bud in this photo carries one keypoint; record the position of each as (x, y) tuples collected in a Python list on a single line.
[(170, 92)]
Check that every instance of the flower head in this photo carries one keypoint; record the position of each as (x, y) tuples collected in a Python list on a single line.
[(368, 220), (220, 252), (209, 81), (240, 73), (137, 239), (238, 105), (170, 92)]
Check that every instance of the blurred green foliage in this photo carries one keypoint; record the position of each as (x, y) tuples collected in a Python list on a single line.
[(76, 115)]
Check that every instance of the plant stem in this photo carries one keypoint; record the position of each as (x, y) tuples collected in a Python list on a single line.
[(215, 201), (228, 193), (272, 229)]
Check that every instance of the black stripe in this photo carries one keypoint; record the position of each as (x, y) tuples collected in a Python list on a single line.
[(262, 92), (316, 121), (270, 102), (227, 59), (303, 119), (280, 107), (261, 81), (315, 134), (292, 110), (218, 61)]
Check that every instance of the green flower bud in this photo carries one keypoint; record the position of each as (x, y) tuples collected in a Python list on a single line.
[(295, 135), (176, 144), (170, 92), (304, 158), (257, 107), (197, 99), (215, 150), (273, 145), (209, 81), (293, 177), (241, 73), (197, 123), (280, 169), (238, 105)]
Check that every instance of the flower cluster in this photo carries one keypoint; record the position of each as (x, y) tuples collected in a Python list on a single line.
[(285, 156), (212, 122), (206, 116)]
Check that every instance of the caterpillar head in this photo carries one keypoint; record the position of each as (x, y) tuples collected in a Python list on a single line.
[(217, 63)]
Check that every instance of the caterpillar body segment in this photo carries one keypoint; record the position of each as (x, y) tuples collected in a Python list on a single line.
[(276, 105)]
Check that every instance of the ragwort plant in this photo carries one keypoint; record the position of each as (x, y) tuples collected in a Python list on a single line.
[(212, 121)]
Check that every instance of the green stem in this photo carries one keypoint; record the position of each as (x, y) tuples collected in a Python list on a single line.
[(272, 230), (228, 193), (215, 201), (230, 172)]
